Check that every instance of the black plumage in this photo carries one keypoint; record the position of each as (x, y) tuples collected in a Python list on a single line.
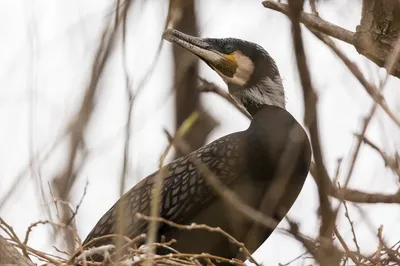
[(265, 165)]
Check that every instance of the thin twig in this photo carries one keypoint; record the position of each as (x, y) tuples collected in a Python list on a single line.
[(43, 222), (392, 163), (159, 180), (212, 87), (313, 8), (390, 67), (74, 213), (40, 255), (10, 231), (128, 127), (195, 226), (20, 177), (347, 215), (315, 22), (311, 120), (346, 248), (370, 88)]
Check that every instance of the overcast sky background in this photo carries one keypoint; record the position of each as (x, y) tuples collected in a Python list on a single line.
[(46, 52)]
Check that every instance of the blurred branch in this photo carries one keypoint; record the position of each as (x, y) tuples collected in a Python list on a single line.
[(75, 212), (314, 22), (370, 88), (374, 38), (132, 97), (10, 256), (353, 232), (323, 251), (122, 14), (349, 253), (295, 13), (20, 177), (313, 7), (159, 181), (311, 120), (66, 179), (390, 64), (207, 86), (391, 162), (357, 196), (194, 226), (10, 231), (186, 70)]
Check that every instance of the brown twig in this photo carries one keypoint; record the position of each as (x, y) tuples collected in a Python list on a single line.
[(212, 87), (159, 180), (195, 226), (347, 215), (313, 7), (315, 22), (349, 253), (132, 97), (295, 259), (65, 180), (121, 15), (311, 120), (188, 255), (390, 67), (93, 241), (155, 202), (41, 255), (362, 197), (370, 88), (317, 249), (75, 212), (357, 196), (391, 162), (43, 222), (10, 231), (339, 165), (20, 177), (128, 244)]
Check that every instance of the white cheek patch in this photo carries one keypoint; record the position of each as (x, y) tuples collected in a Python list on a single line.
[(268, 91), (245, 68)]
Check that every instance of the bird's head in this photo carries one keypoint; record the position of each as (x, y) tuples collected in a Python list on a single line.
[(248, 70)]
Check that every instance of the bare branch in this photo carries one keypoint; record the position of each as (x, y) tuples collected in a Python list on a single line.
[(311, 120), (211, 87), (315, 22), (370, 88), (391, 162), (10, 256), (195, 226)]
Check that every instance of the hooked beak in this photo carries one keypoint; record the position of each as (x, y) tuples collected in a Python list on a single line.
[(204, 49)]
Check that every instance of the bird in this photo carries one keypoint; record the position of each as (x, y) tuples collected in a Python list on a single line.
[(265, 165)]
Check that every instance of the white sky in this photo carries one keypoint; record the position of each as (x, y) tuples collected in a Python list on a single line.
[(46, 51)]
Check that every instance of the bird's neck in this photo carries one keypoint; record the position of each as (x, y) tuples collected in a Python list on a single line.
[(253, 98), (253, 108)]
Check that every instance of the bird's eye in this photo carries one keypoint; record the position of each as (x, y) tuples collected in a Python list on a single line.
[(228, 49)]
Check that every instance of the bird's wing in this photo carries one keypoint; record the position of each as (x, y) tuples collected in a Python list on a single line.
[(184, 188)]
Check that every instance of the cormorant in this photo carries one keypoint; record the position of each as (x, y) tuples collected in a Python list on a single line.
[(265, 165)]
